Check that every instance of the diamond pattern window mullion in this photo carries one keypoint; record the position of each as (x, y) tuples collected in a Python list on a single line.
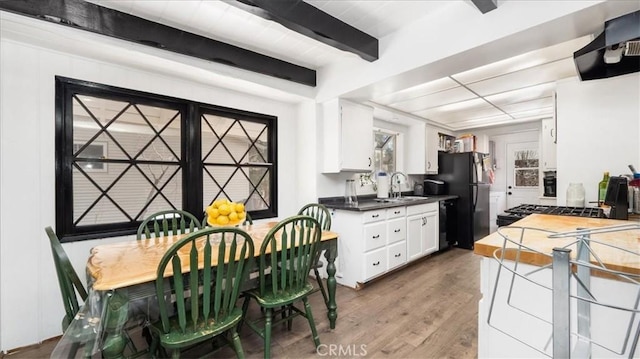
[(158, 190), (103, 193), (157, 133), (253, 143), (103, 129)]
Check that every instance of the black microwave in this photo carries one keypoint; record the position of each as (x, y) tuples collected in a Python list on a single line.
[(434, 187)]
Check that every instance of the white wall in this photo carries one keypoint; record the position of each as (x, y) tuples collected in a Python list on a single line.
[(598, 130), (30, 304)]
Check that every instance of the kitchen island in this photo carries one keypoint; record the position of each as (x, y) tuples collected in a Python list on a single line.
[(515, 313)]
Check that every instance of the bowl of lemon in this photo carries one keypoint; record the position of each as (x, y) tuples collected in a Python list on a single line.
[(223, 212)]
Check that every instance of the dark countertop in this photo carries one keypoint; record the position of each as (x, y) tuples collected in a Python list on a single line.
[(370, 203)]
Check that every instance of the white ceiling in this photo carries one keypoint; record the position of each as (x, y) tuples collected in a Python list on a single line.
[(513, 90)]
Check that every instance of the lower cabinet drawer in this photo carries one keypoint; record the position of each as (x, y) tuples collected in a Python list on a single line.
[(375, 235), (396, 229), (397, 254), (375, 263)]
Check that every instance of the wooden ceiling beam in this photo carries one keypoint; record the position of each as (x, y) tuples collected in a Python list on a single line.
[(485, 5), (97, 19), (312, 22)]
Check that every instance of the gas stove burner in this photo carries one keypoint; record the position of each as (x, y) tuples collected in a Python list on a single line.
[(516, 213)]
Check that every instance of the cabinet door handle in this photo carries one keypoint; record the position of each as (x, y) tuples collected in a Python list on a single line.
[(375, 215), (396, 230), (396, 212), (552, 132), (369, 161), (397, 255), (376, 236), (376, 263)]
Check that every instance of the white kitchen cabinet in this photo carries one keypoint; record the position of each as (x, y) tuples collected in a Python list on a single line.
[(548, 144), (422, 162), (431, 151), (348, 136), (422, 230), (497, 205), (363, 252)]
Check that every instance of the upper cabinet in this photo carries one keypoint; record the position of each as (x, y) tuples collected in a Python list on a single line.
[(431, 151), (348, 136), (548, 144), (422, 156)]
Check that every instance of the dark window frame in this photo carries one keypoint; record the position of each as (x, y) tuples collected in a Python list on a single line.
[(190, 162)]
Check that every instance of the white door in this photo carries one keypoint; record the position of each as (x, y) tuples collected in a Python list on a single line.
[(523, 171)]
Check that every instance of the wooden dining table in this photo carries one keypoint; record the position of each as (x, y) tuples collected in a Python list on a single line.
[(123, 268)]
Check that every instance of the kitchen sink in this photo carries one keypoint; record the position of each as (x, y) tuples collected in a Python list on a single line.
[(399, 199)]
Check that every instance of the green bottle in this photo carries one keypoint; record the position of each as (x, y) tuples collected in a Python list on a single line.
[(602, 189)]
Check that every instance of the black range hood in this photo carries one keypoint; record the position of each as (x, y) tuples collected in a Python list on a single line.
[(615, 52)]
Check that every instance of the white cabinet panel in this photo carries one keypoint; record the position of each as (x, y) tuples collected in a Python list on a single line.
[(414, 237), (397, 254), (374, 216), (345, 146), (396, 230), (375, 236), (396, 212), (431, 151), (375, 263), (548, 144), (422, 230), (430, 242)]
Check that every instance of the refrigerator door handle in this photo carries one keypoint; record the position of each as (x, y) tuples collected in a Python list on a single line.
[(475, 197)]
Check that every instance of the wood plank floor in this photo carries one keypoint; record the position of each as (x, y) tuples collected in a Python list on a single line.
[(428, 309)]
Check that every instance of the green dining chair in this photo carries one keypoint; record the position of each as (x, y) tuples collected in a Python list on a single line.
[(70, 285), (215, 261), (298, 238), (168, 222), (70, 288), (323, 216)]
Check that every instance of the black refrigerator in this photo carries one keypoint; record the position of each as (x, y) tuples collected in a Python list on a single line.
[(463, 174)]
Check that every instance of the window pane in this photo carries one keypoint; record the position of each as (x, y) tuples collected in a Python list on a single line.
[(526, 177), (132, 130), (110, 191), (384, 153), (232, 151), (526, 159)]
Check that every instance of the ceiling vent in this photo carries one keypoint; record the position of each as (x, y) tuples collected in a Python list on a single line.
[(615, 52)]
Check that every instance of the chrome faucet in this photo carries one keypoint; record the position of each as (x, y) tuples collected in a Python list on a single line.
[(393, 177)]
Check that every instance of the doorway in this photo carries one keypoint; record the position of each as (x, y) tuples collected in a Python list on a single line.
[(523, 171)]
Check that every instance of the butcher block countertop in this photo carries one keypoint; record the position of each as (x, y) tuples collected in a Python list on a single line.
[(537, 247)]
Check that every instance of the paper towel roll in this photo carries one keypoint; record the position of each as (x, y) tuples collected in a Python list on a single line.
[(383, 185)]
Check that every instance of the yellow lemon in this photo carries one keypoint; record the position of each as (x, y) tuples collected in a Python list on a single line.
[(239, 207), (224, 209), (241, 215), (222, 220), (233, 217), (234, 222), (214, 213)]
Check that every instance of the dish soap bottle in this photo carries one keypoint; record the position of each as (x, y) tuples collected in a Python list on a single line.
[(602, 189)]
